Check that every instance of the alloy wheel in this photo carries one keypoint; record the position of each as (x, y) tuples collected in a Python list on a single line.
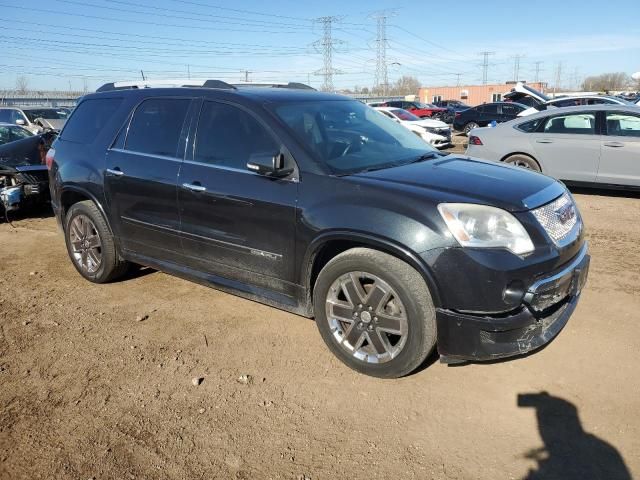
[(85, 243), (366, 317)]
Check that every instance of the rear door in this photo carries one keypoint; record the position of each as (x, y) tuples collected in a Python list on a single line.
[(620, 163), (568, 146), (488, 113), (236, 223), (141, 177)]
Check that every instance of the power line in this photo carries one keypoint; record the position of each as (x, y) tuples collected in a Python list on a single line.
[(327, 45)]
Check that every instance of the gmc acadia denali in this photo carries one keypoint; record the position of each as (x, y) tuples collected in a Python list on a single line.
[(318, 204)]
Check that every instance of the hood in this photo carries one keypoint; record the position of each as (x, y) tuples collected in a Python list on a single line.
[(463, 179), (425, 122), (25, 152), (521, 91), (51, 123)]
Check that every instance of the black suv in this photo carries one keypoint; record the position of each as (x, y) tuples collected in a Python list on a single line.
[(317, 204), (484, 114)]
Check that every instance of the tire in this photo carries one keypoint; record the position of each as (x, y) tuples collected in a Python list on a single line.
[(90, 244), (523, 161), (470, 126), (390, 329)]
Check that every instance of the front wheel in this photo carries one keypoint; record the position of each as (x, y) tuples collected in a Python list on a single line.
[(375, 313)]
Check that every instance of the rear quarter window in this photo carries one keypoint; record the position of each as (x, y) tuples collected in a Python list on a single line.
[(89, 119)]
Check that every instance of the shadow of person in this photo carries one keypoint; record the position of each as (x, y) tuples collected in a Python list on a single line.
[(569, 453)]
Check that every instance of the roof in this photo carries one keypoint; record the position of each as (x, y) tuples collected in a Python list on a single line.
[(583, 108), (261, 93)]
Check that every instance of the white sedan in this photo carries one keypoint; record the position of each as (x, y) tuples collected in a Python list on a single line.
[(434, 132)]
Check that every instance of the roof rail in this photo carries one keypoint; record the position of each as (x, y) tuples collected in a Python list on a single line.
[(294, 85), (165, 83)]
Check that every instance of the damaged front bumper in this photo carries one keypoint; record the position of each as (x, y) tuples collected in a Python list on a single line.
[(548, 304)]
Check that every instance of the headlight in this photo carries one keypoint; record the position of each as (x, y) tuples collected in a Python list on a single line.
[(430, 129), (485, 227)]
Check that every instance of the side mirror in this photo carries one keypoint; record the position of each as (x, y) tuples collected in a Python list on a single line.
[(269, 165), (20, 121)]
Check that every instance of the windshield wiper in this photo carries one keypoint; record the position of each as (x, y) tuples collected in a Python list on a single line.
[(422, 158)]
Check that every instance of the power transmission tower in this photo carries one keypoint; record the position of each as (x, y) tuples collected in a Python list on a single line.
[(516, 67), (382, 73), (485, 65), (537, 77), (457, 79), (558, 78), (327, 46)]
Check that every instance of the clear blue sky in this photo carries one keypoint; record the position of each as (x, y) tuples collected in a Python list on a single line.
[(63, 43)]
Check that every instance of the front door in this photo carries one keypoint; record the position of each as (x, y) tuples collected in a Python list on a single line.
[(236, 224), (620, 163), (568, 146), (141, 176)]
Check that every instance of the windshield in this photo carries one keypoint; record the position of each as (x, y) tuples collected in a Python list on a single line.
[(404, 115), (47, 113), (11, 134), (350, 137)]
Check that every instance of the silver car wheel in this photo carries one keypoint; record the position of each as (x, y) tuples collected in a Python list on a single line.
[(85, 244), (366, 317)]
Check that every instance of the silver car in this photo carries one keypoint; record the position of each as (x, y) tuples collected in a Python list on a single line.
[(598, 144)]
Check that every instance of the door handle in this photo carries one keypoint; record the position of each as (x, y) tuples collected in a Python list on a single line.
[(115, 171), (614, 144), (194, 187), (544, 140)]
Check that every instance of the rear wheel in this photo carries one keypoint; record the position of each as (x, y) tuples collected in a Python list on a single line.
[(523, 161), (470, 126), (90, 244), (375, 313)]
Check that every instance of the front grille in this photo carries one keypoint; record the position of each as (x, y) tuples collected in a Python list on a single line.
[(559, 218)]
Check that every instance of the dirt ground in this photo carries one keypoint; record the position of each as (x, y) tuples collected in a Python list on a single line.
[(96, 382)]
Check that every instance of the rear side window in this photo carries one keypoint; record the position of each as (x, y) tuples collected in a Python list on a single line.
[(530, 126), (511, 110), (228, 137), (89, 118), (623, 124), (156, 125)]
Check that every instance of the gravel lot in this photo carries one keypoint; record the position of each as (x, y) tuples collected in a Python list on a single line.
[(97, 382)]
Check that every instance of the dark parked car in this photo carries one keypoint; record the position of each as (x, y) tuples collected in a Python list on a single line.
[(452, 107), (24, 180), (485, 114), (317, 204)]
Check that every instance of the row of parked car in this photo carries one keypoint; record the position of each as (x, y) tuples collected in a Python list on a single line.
[(583, 139), (26, 133)]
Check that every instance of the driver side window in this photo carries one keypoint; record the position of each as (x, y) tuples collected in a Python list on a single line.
[(228, 136)]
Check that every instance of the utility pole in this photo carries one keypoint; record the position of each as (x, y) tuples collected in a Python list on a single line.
[(246, 75), (457, 79), (485, 65), (188, 72), (327, 46), (537, 77), (516, 67)]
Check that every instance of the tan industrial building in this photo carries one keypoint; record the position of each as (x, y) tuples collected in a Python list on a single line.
[(472, 94)]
